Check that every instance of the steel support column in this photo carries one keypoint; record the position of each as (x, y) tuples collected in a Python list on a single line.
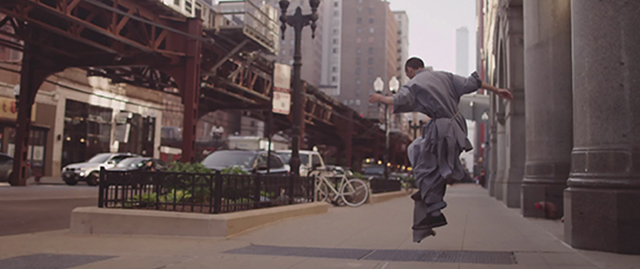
[(347, 138), (35, 69), (187, 76)]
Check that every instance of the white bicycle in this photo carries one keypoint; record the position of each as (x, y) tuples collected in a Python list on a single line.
[(352, 191)]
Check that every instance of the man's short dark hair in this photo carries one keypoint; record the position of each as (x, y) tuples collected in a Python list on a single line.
[(415, 63)]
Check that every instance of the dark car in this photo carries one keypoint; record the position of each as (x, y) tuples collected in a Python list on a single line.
[(6, 167), (254, 162), (373, 172), (140, 164)]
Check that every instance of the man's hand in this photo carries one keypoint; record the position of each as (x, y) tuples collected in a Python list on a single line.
[(376, 98), (504, 93)]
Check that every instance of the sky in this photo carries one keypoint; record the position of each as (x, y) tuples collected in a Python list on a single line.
[(432, 30)]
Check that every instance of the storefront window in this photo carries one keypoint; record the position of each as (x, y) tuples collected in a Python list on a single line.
[(87, 131)]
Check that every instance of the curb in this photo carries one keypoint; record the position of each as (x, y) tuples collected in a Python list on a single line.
[(383, 197), (93, 220)]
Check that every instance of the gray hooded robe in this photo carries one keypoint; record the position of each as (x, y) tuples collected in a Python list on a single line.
[(435, 157)]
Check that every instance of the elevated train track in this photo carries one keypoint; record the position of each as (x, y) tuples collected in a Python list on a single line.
[(216, 56)]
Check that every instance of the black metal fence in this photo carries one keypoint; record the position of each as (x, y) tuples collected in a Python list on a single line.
[(382, 185), (204, 193)]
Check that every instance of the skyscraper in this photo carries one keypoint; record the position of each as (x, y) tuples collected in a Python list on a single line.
[(369, 44), (462, 51), (331, 52)]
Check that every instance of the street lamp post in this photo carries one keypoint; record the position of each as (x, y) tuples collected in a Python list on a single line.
[(393, 87), (378, 86), (297, 21), (415, 128)]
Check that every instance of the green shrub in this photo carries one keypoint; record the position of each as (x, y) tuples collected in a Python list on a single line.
[(196, 168), (233, 170)]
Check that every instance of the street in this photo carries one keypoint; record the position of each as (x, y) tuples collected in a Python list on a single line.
[(38, 208)]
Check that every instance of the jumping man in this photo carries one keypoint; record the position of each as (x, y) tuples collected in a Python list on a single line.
[(435, 156)]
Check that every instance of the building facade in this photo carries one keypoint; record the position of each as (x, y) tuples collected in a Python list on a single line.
[(331, 47), (369, 50), (564, 147)]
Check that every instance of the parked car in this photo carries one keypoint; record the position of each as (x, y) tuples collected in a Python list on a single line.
[(309, 160), (140, 164), (6, 167), (373, 172), (89, 171), (251, 161)]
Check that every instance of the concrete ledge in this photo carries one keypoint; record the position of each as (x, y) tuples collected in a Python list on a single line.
[(93, 220), (382, 197)]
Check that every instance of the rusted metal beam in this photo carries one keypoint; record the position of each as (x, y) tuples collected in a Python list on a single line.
[(149, 22)]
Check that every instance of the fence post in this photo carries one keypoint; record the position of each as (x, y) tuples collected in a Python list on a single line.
[(256, 191), (291, 177), (157, 188), (217, 206), (211, 190), (101, 189)]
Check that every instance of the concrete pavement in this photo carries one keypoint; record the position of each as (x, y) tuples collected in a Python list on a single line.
[(481, 233)]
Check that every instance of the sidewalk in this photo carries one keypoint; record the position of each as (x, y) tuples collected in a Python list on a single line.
[(482, 233)]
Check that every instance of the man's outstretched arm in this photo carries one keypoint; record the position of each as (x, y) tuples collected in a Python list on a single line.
[(504, 93), (379, 98)]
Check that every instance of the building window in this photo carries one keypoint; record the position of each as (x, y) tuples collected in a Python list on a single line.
[(358, 51), (335, 50), (370, 50), (371, 10), (370, 71), (335, 4), (359, 10), (334, 69), (291, 52), (335, 41), (291, 42), (360, 1), (370, 60), (358, 81), (357, 102), (358, 61), (359, 30), (333, 79), (359, 20), (371, 30), (335, 31), (371, 20), (336, 13), (284, 52), (358, 71)]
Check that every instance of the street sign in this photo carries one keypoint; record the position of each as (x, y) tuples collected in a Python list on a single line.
[(281, 89)]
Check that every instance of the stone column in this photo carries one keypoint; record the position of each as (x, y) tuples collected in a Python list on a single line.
[(602, 203), (501, 156), (514, 112), (493, 149), (549, 133)]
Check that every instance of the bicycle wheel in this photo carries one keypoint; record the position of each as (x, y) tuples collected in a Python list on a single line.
[(323, 192), (354, 192)]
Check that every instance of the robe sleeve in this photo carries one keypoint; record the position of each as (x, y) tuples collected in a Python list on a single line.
[(466, 85), (404, 101)]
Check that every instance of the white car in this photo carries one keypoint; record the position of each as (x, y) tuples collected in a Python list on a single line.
[(89, 171), (309, 160)]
